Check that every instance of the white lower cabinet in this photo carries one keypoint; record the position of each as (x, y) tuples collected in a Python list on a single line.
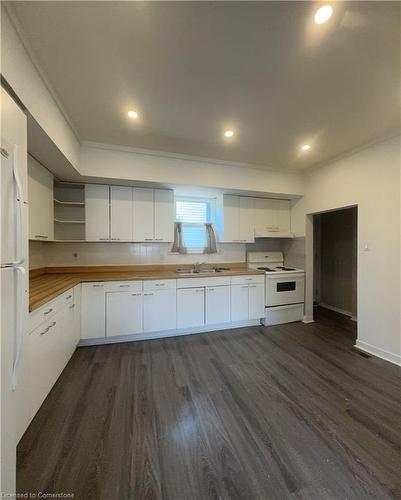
[(124, 313), (47, 348), (239, 302), (247, 298), (190, 307), (256, 301), (159, 310), (93, 309), (217, 304)]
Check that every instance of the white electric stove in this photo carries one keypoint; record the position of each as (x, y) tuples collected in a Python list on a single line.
[(284, 287)]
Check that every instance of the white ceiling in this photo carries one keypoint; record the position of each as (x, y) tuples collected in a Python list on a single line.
[(193, 69)]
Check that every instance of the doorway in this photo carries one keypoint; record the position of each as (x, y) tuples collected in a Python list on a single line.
[(335, 261)]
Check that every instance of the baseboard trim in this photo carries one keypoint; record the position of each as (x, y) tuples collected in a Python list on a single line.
[(336, 309), (308, 319), (168, 333), (377, 351)]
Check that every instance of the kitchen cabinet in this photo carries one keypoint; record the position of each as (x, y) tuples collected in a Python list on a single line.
[(159, 310), (217, 304), (41, 205), (237, 221), (121, 213), (51, 340), (247, 298), (124, 313), (143, 214), (164, 215), (190, 307), (239, 302), (256, 300), (272, 218), (93, 310), (97, 212)]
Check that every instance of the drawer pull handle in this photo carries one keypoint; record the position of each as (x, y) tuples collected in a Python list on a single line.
[(160, 284), (68, 297), (48, 328), (49, 311), (125, 286), (148, 239), (41, 236), (97, 285), (72, 306)]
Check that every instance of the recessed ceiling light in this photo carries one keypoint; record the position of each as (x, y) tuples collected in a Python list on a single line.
[(133, 114), (323, 14), (228, 133), (305, 147)]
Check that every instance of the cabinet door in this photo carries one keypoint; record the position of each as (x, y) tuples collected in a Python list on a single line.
[(164, 215), (246, 220), (121, 213), (143, 214), (263, 216), (93, 308), (231, 218), (41, 206), (77, 314), (239, 302), (256, 301), (217, 305), (159, 310), (190, 307), (97, 212), (281, 215), (124, 311)]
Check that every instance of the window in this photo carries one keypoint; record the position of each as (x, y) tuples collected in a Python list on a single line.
[(193, 213)]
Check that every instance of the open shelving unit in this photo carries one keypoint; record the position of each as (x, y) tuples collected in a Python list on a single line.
[(69, 211)]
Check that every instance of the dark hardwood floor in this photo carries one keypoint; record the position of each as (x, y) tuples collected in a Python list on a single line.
[(285, 412)]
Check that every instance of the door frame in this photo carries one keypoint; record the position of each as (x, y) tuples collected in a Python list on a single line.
[(310, 246)]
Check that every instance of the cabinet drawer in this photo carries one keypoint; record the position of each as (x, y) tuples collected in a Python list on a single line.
[(123, 286), (160, 284), (48, 310), (246, 279), (202, 282)]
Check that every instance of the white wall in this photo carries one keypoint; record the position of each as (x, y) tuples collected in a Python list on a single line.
[(21, 74), (122, 163), (369, 179)]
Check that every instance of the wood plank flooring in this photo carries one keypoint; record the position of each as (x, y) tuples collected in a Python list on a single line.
[(285, 412)]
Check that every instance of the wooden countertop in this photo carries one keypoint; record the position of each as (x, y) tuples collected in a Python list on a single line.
[(47, 283)]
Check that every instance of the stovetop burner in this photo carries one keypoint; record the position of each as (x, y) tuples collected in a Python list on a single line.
[(283, 268), (267, 269)]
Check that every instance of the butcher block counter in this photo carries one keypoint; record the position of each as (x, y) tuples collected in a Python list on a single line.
[(47, 283)]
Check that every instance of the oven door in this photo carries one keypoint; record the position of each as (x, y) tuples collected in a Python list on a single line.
[(284, 289)]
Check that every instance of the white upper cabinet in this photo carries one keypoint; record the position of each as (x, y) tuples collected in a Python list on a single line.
[(143, 214), (40, 198), (282, 215), (272, 218), (164, 215), (237, 223), (121, 213), (97, 212), (246, 217)]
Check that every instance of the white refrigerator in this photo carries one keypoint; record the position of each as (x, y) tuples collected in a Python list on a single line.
[(13, 277)]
